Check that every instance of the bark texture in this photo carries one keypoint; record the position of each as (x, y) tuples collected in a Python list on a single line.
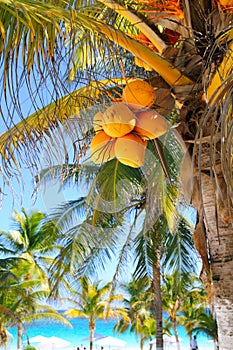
[(19, 335), (220, 240), (158, 303)]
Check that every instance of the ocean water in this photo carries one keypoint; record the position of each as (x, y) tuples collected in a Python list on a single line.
[(79, 333)]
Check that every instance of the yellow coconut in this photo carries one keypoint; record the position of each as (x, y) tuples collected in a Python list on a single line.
[(98, 121), (139, 94), (130, 150), (118, 120), (150, 124), (102, 148)]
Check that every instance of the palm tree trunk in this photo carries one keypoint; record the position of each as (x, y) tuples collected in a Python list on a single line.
[(176, 334), (3, 336), (142, 341), (220, 238), (20, 335), (158, 303), (92, 330)]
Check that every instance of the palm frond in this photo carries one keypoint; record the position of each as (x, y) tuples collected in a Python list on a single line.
[(217, 126), (148, 244), (66, 116), (180, 254), (69, 174), (114, 186)]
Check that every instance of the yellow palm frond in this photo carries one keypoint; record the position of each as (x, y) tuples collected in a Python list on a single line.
[(66, 114)]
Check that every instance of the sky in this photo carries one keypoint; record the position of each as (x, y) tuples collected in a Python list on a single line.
[(48, 198)]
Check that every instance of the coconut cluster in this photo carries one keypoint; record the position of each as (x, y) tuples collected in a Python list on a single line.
[(123, 129)]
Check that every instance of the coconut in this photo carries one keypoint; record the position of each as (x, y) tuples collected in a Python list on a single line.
[(139, 94), (98, 121), (118, 120), (150, 124), (102, 148), (130, 150)]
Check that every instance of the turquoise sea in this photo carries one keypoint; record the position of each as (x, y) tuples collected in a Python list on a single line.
[(79, 331)]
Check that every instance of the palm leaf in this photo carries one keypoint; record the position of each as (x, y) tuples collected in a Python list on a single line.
[(65, 115), (136, 21), (180, 254), (113, 187)]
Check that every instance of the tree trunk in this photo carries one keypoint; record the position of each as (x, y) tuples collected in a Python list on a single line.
[(20, 335), (158, 303), (142, 341), (176, 334), (220, 239), (92, 330)]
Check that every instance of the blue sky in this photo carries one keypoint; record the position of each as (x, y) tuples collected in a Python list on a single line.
[(47, 198)]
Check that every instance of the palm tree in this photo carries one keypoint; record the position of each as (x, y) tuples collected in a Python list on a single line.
[(138, 304), (185, 300), (25, 282), (203, 96), (32, 242), (23, 302), (207, 324), (173, 293), (194, 305), (94, 302), (151, 245)]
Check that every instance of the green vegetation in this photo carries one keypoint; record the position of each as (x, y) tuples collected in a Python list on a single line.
[(24, 293), (61, 63)]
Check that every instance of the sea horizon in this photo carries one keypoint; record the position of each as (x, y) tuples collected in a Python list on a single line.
[(78, 335)]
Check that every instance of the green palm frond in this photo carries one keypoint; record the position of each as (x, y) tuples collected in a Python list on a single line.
[(67, 115), (180, 253), (113, 188), (207, 323), (84, 248), (69, 174), (147, 244), (69, 212)]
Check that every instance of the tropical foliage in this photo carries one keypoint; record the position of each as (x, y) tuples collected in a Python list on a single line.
[(95, 302), (186, 51), (24, 284), (138, 304)]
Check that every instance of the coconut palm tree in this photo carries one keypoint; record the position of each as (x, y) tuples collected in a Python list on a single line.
[(138, 303), (23, 302), (94, 302), (25, 282), (149, 245), (31, 242), (194, 306), (207, 323), (173, 294), (185, 300), (189, 46)]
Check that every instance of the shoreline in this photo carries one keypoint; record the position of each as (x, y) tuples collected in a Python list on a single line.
[(79, 334)]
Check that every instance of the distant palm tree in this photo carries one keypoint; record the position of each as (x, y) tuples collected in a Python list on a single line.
[(185, 300), (32, 242), (138, 305), (194, 305), (95, 302), (173, 293), (25, 282), (206, 323), (26, 302)]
